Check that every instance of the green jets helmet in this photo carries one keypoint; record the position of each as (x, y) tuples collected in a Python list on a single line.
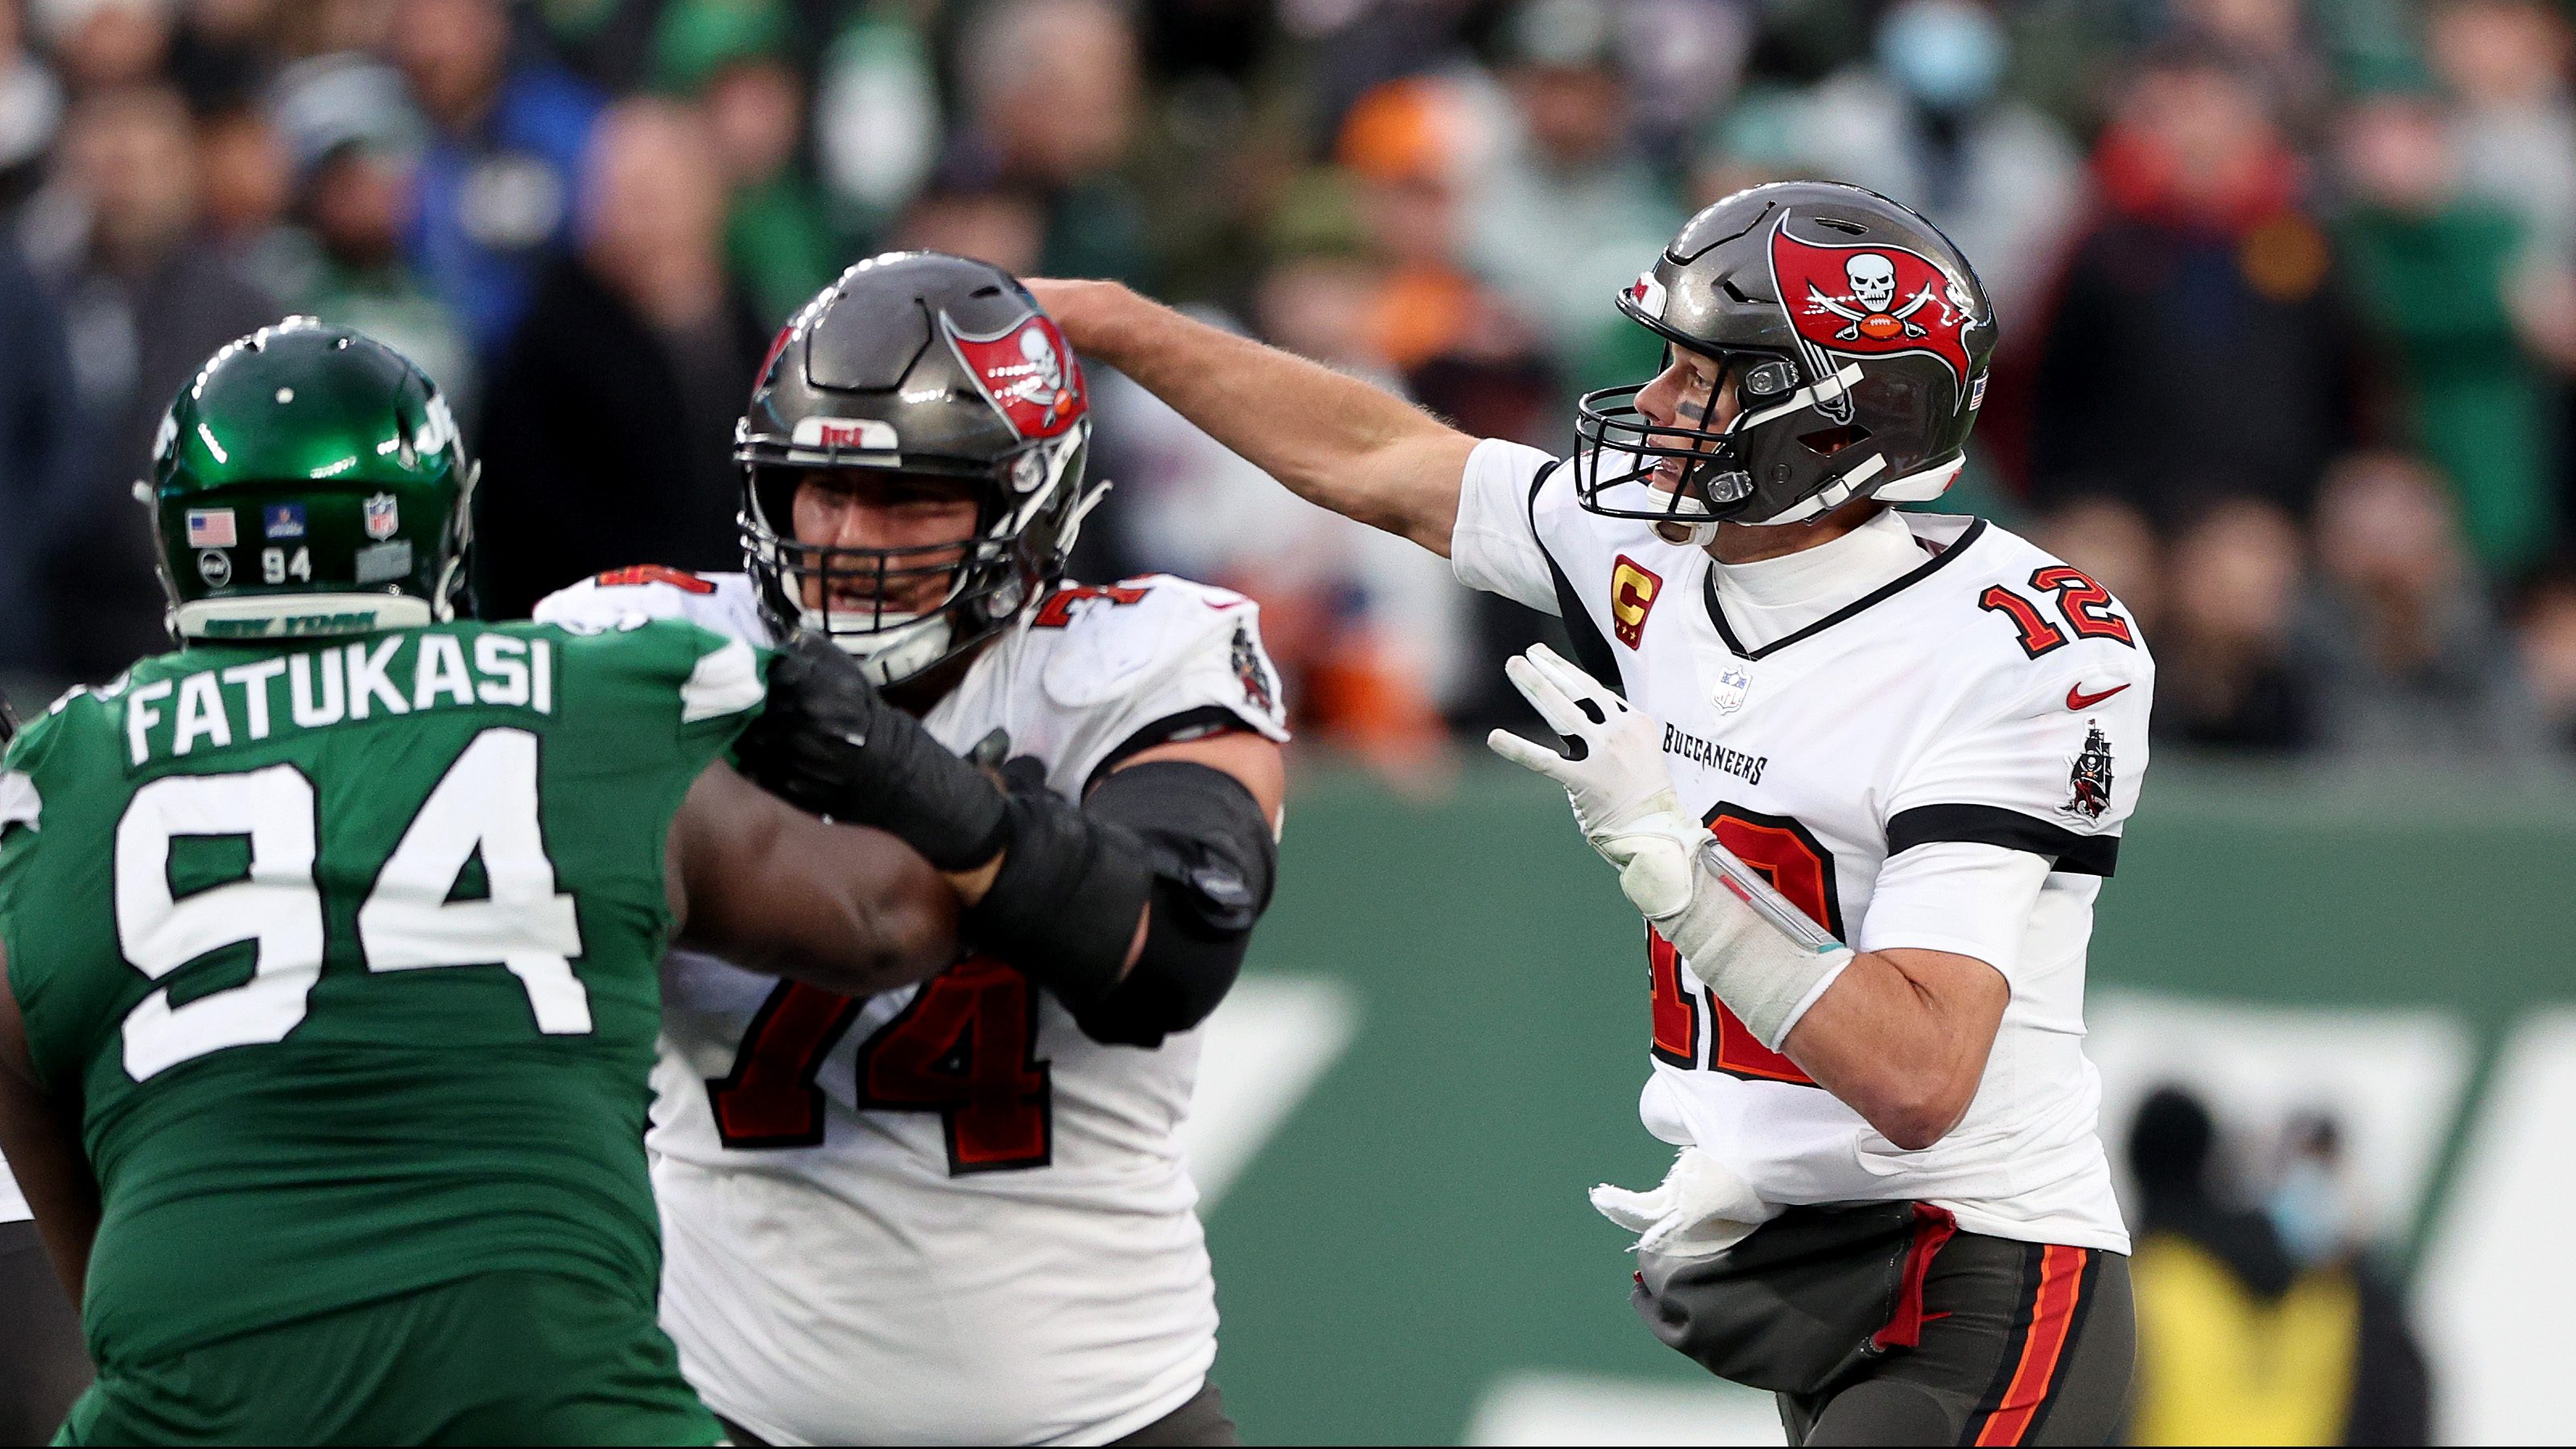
[(309, 480)]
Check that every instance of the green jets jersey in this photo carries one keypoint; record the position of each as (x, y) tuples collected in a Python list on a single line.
[(348, 952)]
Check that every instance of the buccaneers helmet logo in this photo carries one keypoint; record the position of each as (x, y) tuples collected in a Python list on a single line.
[(1028, 373), (1871, 301)]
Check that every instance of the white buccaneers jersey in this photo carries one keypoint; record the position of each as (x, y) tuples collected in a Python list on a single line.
[(944, 1214), (1944, 763)]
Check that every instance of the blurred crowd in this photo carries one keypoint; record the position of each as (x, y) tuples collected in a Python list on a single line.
[(2287, 290)]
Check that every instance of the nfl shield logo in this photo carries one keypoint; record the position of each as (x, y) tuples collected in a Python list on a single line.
[(382, 520), (1732, 686)]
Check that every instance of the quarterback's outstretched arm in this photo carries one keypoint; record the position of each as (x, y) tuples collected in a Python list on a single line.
[(1336, 441), (43, 1144)]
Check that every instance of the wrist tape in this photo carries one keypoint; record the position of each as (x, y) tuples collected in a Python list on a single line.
[(1743, 939)]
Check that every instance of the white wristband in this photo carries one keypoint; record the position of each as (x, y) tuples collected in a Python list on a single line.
[(1760, 954)]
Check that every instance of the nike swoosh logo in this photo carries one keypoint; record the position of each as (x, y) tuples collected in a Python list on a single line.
[(2077, 699)]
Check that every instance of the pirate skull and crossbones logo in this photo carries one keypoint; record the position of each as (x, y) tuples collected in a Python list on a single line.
[(1029, 375), (1039, 374), (1873, 286)]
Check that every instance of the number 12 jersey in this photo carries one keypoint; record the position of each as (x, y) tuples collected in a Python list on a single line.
[(1944, 763)]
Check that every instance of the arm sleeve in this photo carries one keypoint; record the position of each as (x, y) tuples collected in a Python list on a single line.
[(1494, 546), (1957, 896)]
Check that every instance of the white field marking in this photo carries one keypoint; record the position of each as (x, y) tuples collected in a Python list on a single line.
[(13, 1204), (1540, 1407), (2491, 1294), (2392, 1078), (1259, 1055)]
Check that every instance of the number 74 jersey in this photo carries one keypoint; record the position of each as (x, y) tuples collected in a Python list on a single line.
[(946, 1213)]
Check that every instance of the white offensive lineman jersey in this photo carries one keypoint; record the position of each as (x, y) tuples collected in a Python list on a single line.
[(943, 1214), (1944, 763)]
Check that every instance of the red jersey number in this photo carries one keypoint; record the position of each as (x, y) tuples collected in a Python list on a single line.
[(965, 1048), (1788, 856)]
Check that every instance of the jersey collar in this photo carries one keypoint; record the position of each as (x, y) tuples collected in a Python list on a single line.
[(1889, 590)]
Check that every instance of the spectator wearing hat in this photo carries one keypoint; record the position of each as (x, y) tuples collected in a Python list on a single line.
[(1564, 206), (355, 143), (2248, 1334), (732, 57), (1926, 120)]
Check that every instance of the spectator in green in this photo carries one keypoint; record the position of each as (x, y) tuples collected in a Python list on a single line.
[(731, 55), (2436, 276)]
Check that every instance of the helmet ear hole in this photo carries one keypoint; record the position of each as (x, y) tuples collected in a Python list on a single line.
[(1767, 382), (1830, 441)]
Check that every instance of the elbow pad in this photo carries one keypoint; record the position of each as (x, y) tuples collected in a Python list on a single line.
[(1214, 865), (1183, 838)]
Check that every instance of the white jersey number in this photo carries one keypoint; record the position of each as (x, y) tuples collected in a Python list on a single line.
[(486, 801)]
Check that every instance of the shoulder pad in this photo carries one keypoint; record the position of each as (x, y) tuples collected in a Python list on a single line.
[(2040, 608), (621, 598), (35, 739), (1115, 637)]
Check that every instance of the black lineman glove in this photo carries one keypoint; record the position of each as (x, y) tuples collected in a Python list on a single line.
[(829, 743)]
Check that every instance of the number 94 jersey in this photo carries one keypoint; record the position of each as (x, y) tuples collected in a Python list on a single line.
[(943, 1214), (347, 949), (1943, 763)]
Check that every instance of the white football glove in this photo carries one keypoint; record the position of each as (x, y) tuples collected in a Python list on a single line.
[(1613, 773), (1753, 948), (1700, 1209)]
